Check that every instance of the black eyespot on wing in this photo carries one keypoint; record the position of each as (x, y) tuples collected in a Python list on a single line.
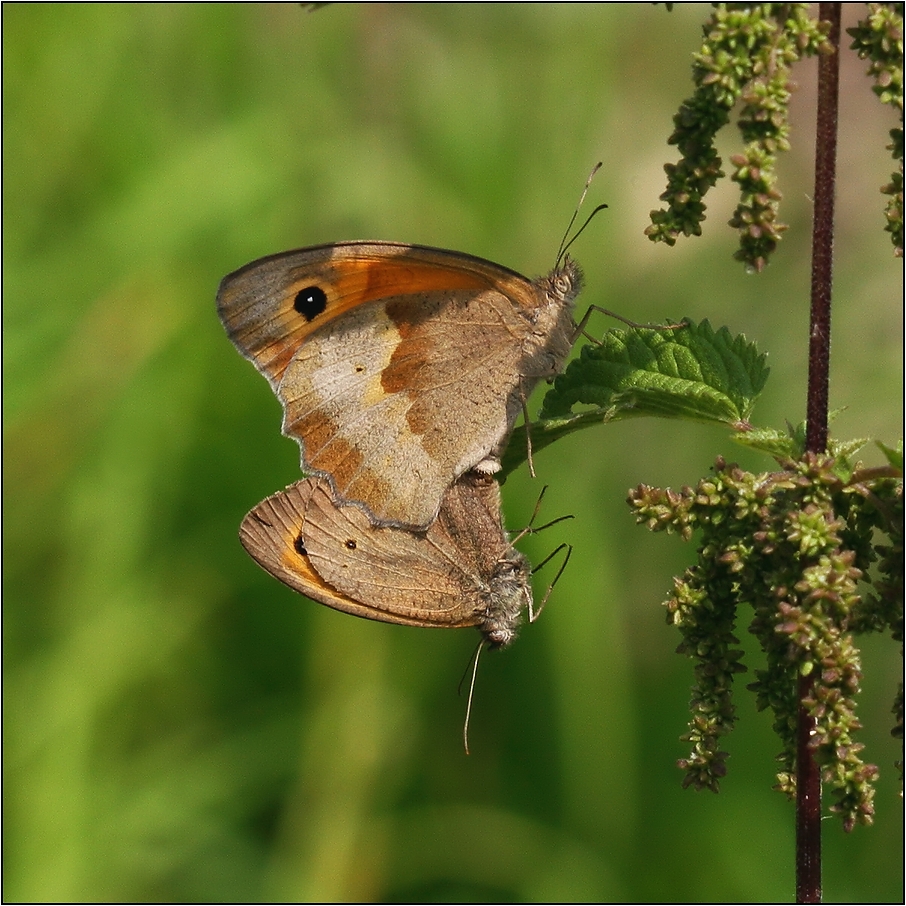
[(299, 545), (350, 544), (310, 302)]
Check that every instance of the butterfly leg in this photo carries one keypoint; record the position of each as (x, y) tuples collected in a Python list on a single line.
[(528, 433), (581, 332), (534, 613)]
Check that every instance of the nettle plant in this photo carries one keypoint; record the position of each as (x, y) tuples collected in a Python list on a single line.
[(814, 547)]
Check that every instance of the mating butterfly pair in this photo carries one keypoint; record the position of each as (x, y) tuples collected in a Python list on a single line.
[(401, 370)]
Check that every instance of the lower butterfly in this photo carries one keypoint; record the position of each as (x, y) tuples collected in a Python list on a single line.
[(461, 571)]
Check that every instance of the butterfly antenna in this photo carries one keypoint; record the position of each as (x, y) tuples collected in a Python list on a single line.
[(564, 245), (581, 229), (465, 725), (465, 672)]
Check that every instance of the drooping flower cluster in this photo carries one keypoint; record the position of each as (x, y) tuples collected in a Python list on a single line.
[(879, 37), (793, 545), (746, 56)]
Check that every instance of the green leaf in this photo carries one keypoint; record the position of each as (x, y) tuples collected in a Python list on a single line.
[(688, 372), (894, 454), (842, 451), (779, 444), (682, 371)]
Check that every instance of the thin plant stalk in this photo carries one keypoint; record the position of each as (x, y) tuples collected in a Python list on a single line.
[(808, 776)]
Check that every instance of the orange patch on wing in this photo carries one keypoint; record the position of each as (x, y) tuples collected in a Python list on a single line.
[(327, 451), (338, 458), (350, 282), (426, 426), (275, 358), (370, 488), (299, 567), (316, 428), (405, 372)]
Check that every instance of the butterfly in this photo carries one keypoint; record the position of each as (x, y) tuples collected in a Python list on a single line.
[(399, 367), (461, 571)]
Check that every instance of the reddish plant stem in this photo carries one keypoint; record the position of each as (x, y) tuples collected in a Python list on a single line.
[(823, 234), (808, 807), (808, 776)]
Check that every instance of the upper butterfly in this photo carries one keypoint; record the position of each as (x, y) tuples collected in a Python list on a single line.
[(399, 367)]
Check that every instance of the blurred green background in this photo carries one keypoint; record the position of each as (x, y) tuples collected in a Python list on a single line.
[(178, 725)]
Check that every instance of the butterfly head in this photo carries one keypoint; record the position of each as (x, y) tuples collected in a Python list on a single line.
[(565, 281), (509, 593)]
